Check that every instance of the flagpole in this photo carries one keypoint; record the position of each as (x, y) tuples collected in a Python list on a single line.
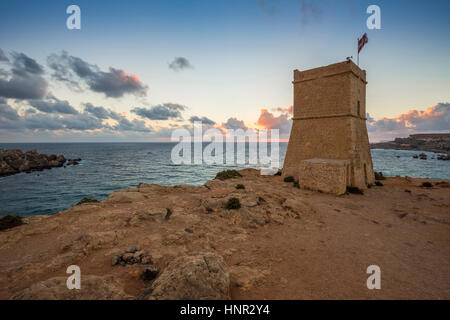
[(357, 48)]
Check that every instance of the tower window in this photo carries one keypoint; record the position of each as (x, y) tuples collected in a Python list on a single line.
[(359, 108)]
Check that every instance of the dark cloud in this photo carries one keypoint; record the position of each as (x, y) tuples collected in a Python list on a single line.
[(204, 120), (53, 105), (7, 112), (134, 125), (101, 112), (57, 115), (31, 87), (26, 81), (3, 73), (123, 124), (234, 123), (3, 56), (115, 83), (24, 65), (180, 63), (164, 111)]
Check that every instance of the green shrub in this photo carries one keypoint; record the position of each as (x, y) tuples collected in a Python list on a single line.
[(289, 179), (240, 186), (427, 184), (378, 183), (233, 204), (296, 184), (379, 176), (261, 199), (87, 200), (228, 174), (354, 190), (168, 213), (10, 221)]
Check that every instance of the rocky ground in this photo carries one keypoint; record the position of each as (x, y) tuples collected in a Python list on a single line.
[(276, 242), (16, 161)]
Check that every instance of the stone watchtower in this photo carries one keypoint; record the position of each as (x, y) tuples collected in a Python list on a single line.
[(329, 148)]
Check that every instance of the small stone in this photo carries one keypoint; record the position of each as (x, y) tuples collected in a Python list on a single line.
[(189, 230), (115, 259), (146, 259), (131, 250)]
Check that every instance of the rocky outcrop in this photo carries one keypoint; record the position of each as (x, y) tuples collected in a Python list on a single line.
[(438, 142), (16, 161), (92, 287), (199, 277)]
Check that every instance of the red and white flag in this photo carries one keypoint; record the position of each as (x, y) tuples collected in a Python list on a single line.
[(362, 42)]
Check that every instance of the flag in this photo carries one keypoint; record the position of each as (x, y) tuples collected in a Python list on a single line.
[(362, 42)]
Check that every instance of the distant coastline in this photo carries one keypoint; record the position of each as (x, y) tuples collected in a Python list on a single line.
[(432, 142)]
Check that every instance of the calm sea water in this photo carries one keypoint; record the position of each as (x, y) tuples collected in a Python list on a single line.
[(106, 167)]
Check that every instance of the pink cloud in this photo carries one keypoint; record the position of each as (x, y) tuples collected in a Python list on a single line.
[(433, 119)]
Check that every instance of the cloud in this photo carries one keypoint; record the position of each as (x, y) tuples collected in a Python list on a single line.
[(134, 125), (24, 65), (234, 123), (53, 105), (57, 115), (23, 88), (310, 10), (79, 122), (114, 83), (6, 111), (288, 110), (3, 56), (268, 8), (25, 80), (101, 112), (281, 122), (204, 120), (3, 73), (180, 63), (164, 111), (123, 124), (433, 119)]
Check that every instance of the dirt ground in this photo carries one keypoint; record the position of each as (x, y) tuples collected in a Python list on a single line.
[(283, 243)]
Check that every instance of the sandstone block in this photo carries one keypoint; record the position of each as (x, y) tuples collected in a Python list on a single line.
[(325, 175)]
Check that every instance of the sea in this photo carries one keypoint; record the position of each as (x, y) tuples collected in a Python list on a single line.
[(106, 167)]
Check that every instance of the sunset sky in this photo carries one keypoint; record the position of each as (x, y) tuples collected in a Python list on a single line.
[(139, 69)]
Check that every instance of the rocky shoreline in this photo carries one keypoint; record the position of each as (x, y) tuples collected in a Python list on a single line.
[(240, 236), (437, 143), (17, 161)]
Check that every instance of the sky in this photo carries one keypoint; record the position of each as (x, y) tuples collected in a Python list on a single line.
[(137, 70)]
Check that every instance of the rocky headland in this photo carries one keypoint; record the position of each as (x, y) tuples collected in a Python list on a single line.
[(435, 142), (16, 161), (239, 236)]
